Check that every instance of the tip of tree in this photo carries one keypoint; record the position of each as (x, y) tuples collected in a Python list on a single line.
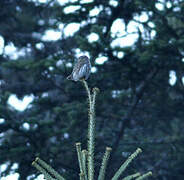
[(97, 90), (78, 144), (139, 150), (108, 148), (37, 158), (137, 174)]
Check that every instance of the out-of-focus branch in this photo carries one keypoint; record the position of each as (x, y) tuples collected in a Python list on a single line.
[(126, 120)]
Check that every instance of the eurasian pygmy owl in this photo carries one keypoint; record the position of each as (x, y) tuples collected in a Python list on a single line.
[(81, 69)]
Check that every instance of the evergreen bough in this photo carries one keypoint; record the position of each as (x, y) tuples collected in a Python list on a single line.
[(86, 157)]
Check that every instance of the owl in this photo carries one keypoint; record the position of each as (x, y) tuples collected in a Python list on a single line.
[(81, 69)]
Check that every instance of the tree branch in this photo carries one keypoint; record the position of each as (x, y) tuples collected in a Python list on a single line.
[(126, 120)]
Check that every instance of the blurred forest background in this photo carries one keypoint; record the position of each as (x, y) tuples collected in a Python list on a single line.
[(141, 103)]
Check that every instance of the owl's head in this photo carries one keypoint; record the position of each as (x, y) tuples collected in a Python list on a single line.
[(83, 58)]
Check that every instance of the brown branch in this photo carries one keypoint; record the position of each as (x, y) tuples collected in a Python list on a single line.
[(126, 120)]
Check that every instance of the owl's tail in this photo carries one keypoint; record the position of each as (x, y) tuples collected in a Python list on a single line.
[(69, 77)]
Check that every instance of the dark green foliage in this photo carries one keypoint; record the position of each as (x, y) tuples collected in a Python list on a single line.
[(137, 107)]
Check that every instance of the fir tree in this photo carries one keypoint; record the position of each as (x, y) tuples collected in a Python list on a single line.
[(138, 106)]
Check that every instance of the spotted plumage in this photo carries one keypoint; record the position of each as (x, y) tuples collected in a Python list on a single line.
[(81, 70)]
